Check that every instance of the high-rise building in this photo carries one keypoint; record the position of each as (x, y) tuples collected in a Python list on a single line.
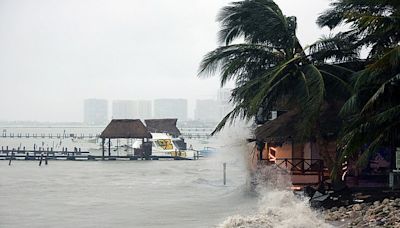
[(223, 98), (124, 109), (171, 108), (207, 110), (131, 109), (95, 111), (144, 109)]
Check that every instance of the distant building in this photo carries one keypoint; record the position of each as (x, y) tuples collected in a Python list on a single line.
[(131, 109), (144, 109), (207, 110), (223, 98), (124, 109), (171, 108), (95, 111)]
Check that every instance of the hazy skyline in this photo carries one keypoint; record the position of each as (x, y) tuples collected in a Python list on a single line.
[(55, 54)]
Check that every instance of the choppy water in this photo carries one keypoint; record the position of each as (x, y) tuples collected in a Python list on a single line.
[(149, 193)]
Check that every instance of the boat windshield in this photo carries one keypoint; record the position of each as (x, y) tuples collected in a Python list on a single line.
[(165, 144)]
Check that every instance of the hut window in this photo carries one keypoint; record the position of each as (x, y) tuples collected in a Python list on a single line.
[(272, 154)]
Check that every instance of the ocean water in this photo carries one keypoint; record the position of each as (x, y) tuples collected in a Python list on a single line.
[(151, 193)]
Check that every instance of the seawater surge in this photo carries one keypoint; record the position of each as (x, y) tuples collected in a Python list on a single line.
[(277, 205), (151, 194)]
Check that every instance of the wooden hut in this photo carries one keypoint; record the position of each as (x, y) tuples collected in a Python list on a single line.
[(306, 160), (163, 126), (126, 129)]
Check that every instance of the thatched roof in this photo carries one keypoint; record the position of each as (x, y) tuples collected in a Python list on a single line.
[(278, 130), (163, 126), (283, 128), (125, 128)]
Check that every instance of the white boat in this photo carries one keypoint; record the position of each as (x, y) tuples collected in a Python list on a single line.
[(165, 146)]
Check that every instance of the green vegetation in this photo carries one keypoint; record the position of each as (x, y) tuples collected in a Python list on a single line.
[(260, 52), (373, 111)]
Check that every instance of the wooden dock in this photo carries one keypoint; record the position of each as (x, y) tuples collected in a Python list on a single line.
[(85, 157), (189, 135), (76, 155)]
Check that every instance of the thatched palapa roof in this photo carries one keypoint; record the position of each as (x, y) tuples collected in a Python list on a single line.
[(283, 128), (163, 126), (125, 128), (278, 130)]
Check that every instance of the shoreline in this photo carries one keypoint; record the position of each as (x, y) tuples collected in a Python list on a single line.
[(361, 207), (385, 213)]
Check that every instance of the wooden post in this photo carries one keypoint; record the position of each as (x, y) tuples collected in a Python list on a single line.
[(109, 147), (41, 159), (12, 153), (102, 145), (224, 173)]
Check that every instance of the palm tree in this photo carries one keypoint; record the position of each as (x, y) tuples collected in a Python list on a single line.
[(373, 111), (261, 53), (372, 23)]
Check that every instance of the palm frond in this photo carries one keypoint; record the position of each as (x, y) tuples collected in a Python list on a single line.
[(311, 104), (228, 117), (253, 20), (379, 97), (338, 48)]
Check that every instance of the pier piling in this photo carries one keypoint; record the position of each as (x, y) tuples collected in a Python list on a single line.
[(41, 159), (11, 157), (224, 165)]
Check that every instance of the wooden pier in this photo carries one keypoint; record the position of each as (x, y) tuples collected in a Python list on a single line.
[(189, 135), (76, 155), (49, 136)]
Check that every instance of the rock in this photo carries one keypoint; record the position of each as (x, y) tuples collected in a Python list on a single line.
[(328, 217), (355, 214), (377, 203), (342, 210), (357, 220), (378, 209), (380, 223), (386, 209), (357, 207), (369, 212), (334, 217), (385, 201)]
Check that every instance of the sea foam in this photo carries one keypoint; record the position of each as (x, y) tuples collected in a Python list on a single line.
[(278, 206)]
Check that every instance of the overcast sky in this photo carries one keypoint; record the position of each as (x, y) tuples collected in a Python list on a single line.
[(55, 53)]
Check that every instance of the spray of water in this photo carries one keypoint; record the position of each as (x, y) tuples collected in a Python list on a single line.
[(278, 205)]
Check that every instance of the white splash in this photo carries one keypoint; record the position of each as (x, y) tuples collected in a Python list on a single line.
[(278, 205)]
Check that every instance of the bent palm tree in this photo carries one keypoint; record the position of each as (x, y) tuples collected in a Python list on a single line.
[(269, 67), (374, 24), (373, 110)]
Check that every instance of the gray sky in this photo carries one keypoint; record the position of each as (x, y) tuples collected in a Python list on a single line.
[(55, 53)]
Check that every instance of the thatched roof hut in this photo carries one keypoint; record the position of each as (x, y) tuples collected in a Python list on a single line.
[(163, 126), (125, 128), (278, 130), (283, 128)]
